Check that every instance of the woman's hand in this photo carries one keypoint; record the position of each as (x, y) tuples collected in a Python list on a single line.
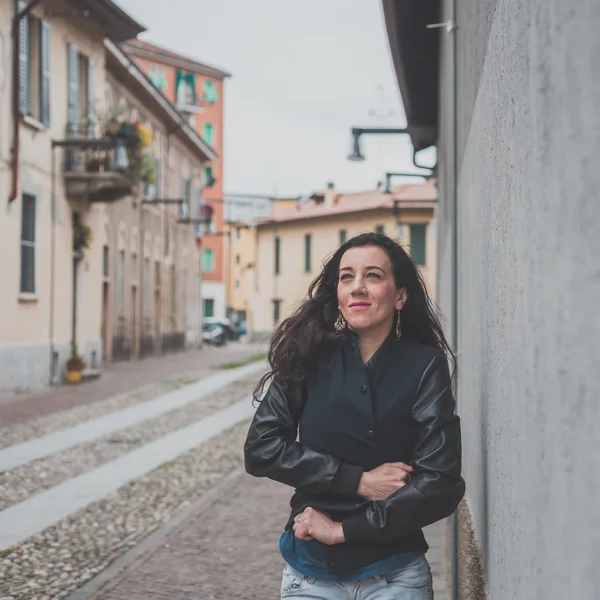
[(312, 524), (382, 482)]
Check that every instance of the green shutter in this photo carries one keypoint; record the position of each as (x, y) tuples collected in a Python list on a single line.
[(45, 73), (276, 310), (209, 308), (342, 237), (307, 249), (379, 229), (207, 260), (277, 255), (209, 134), (23, 63), (210, 92), (418, 247)]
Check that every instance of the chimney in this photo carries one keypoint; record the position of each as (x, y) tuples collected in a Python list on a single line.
[(330, 195)]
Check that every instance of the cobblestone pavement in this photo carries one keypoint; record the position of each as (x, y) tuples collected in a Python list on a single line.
[(224, 551), (121, 377)]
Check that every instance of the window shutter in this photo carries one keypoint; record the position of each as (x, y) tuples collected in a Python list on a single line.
[(91, 99), (418, 249), (73, 88), (23, 63), (45, 73)]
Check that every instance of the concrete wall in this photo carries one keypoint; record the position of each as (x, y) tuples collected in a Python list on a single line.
[(528, 292)]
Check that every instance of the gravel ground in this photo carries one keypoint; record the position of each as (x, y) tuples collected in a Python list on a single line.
[(59, 560), (18, 484)]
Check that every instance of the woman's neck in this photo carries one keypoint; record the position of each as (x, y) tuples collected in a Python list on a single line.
[(370, 341)]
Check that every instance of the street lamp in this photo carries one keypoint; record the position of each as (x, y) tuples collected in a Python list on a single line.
[(356, 155), (389, 175)]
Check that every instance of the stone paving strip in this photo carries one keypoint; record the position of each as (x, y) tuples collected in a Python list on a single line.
[(58, 441), (38, 426), (25, 519), (54, 563), (34, 477)]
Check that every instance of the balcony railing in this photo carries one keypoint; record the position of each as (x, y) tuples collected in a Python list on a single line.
[(96, 164)]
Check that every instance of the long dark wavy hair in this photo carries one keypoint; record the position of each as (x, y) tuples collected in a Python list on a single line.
[(300, 338)]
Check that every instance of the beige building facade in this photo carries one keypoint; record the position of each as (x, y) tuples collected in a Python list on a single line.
[(71, 206), (292, 245)]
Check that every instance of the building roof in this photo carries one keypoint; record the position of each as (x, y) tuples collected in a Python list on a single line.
[(163, 55), (118, 24), (413, 196), (125, 69), (415, 51)]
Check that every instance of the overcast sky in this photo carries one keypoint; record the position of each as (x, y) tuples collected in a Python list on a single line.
[(303, 73)]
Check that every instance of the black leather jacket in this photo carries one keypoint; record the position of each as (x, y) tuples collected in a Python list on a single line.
[(352, 418)]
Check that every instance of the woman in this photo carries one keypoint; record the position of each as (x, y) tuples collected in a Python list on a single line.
[(361, 368)]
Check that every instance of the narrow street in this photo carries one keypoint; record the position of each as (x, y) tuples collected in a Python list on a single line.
[(137, 495)]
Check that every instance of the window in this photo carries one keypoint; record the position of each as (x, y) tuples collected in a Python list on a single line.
[(209, 134), (185, 293), (418, 248), (276, 310), (237, 284), (208, 304), (342, 237), (27, 285), (277, 255), (34, 68), (210, 92), (146, 285), (84, 87), (157, 76), (173, 290), (185, 88), (379, 229), (237, 259), (122, 282), (157, 274), (208, 260), (186, 196), (105, 261), (307, 243), (134, 268), (208, 176), (238, 233)]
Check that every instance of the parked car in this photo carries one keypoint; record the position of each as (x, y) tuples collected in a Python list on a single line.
[(214, 334), (231, 331)]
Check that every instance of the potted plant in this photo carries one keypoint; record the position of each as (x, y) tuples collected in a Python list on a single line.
[(75, 365), (82, 236)]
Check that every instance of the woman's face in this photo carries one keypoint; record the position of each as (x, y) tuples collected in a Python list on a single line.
[(367, 293)]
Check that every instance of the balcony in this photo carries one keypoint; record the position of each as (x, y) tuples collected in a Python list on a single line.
[(97, 164)]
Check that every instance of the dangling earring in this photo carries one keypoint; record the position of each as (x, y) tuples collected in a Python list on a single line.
[(398, 327), (340, 323)]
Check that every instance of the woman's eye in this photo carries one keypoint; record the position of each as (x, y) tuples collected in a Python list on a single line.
[(376, 275), (345, 276)]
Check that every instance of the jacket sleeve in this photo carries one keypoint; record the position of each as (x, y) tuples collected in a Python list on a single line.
[(437, 486), (271, 449)]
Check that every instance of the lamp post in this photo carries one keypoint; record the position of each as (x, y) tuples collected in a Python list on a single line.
[(356, 155)]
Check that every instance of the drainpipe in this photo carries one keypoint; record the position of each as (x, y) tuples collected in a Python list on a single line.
[(53, 216), (16, 92), (451, 26)]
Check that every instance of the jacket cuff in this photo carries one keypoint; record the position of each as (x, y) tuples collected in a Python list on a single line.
[(346, 480), (356, 528)]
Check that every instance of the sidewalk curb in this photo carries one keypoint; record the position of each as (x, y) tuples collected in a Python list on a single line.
[(113, 574)]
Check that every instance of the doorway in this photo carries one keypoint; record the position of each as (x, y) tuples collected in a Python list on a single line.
[(105, 331)]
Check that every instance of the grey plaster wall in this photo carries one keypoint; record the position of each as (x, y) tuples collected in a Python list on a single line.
[(529, 289)]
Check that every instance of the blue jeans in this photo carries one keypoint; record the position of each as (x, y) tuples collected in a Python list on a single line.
[(411, 582)]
